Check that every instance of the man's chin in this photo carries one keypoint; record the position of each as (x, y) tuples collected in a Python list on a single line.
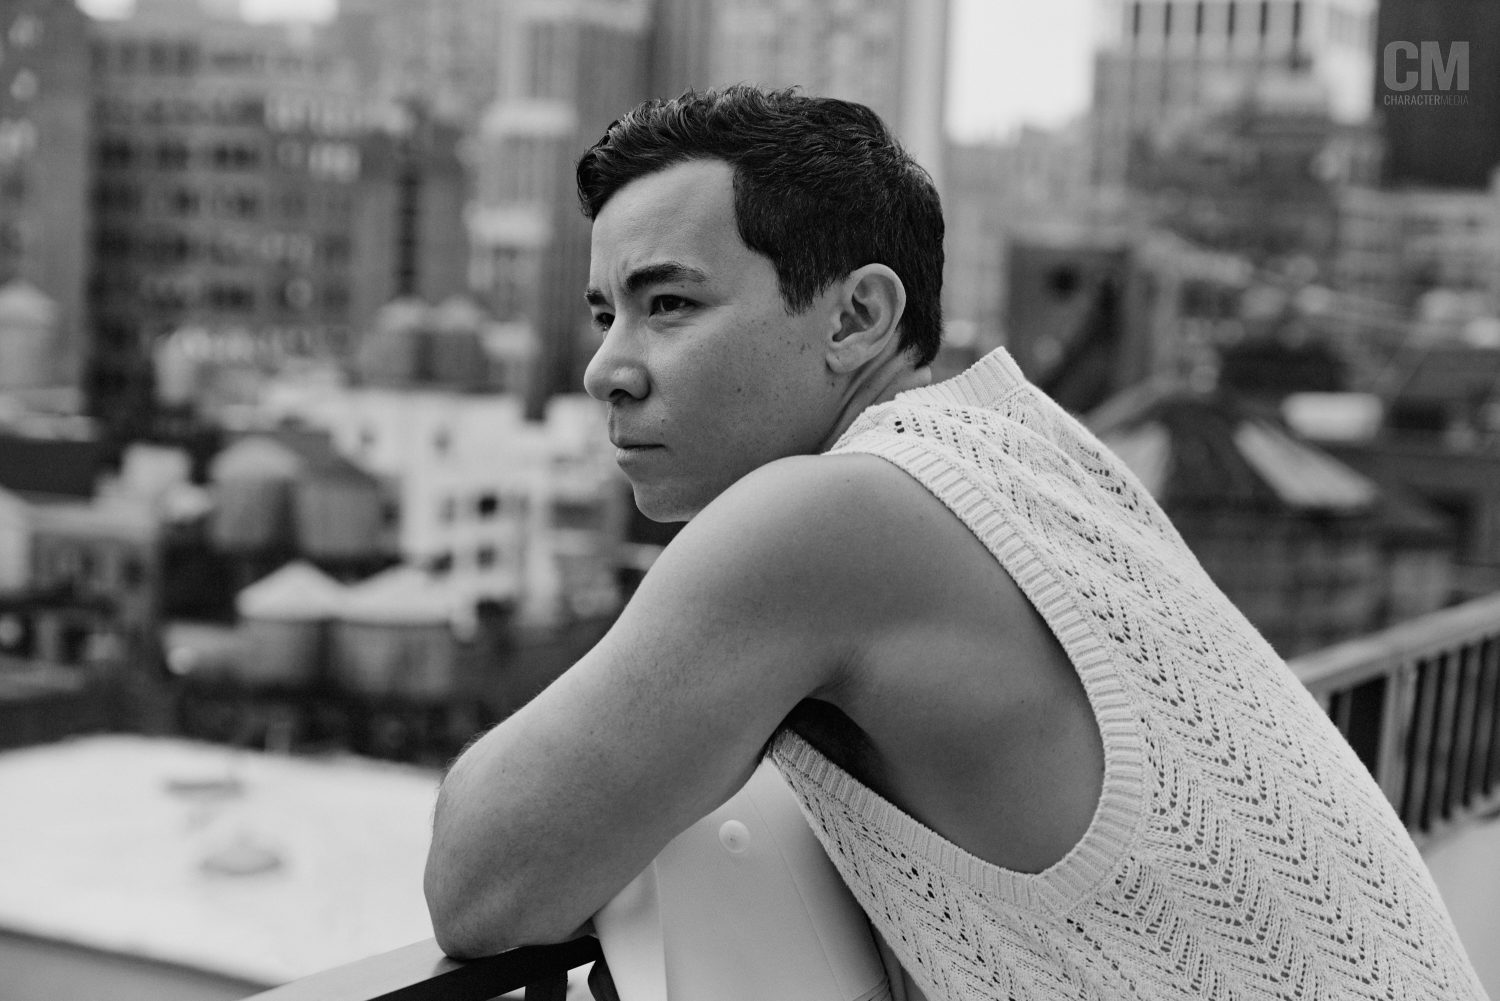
[(661, 506)]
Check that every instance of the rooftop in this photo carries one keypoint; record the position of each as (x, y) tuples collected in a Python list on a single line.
[(257, 866)]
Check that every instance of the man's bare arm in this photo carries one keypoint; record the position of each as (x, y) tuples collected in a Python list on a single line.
[(748, 611)]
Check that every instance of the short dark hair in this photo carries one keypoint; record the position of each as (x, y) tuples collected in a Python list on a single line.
[(821, 187)]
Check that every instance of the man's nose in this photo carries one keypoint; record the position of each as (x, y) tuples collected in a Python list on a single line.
[(617, 370)]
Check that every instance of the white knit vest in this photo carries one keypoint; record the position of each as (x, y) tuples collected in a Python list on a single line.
[(1239, 850)]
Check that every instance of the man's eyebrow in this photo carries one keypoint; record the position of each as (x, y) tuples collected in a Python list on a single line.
[(652, 274)]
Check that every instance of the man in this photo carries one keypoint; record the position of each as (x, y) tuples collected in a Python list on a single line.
[(1047, 756)]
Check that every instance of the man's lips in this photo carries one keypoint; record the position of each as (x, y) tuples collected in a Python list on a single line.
[(628, 453)]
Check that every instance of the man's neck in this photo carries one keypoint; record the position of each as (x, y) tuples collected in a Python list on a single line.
[(878, 385)]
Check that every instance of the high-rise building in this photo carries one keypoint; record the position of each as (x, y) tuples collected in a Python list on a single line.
[(444, 54), (245, 197), (1164, 65), (226, 154), (1035, 179), (1440, 107), (889, 54), (408, 235), (44, 176), (569, 68)]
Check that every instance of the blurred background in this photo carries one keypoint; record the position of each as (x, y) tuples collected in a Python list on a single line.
[(298, 488)]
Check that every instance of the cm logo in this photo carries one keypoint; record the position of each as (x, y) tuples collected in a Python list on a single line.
[(1448, 73)]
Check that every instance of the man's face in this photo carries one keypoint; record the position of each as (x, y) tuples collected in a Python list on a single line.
[(706, 374)]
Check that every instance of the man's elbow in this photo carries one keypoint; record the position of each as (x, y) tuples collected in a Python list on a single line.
[(473, 918), (467, 921)]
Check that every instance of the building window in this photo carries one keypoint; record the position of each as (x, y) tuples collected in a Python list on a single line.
[(161, 58), (487, 505), (235, 156), (239, 204), (295, 294), (132, 573), (249, 111), (573, 514), (116, 154), (335, 298), (117, 198), (173, 155), (484, 557), (183, 202), (336, 249), (230, 298)]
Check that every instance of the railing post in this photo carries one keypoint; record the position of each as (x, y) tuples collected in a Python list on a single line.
[(1444, 737), (1419, 757), (1490, 749), (1395, 731), (1466, 725)]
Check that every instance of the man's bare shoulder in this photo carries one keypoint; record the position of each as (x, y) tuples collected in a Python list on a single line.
[(827, 552), (824, 518)]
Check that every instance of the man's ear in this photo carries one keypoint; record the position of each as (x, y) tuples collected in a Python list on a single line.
[(871, 302)]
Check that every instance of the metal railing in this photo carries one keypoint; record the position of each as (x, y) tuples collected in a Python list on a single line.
[(420, 972), (1419, 703)]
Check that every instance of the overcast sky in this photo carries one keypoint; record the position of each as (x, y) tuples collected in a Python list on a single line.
[(1013, 61)]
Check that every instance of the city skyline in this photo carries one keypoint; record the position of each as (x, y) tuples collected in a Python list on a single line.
[(996, 83)]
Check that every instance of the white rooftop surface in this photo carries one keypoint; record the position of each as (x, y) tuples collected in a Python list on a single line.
[(97, 849)]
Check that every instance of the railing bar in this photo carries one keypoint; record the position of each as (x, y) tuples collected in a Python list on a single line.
[(1352, 661), (1492, 767), (1395, 732), (1339, 709), (420, 972), (1464, 710), (1442, 737), (501, 974), (1483, 723), (1419, 749)]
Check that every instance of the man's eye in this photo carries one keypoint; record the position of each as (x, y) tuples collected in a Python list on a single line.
[(602, 322), (668, 304)]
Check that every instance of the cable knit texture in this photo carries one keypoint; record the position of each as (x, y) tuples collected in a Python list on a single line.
[(1239, 849)]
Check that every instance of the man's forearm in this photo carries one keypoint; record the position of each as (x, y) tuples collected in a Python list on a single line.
[(552, 812)]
